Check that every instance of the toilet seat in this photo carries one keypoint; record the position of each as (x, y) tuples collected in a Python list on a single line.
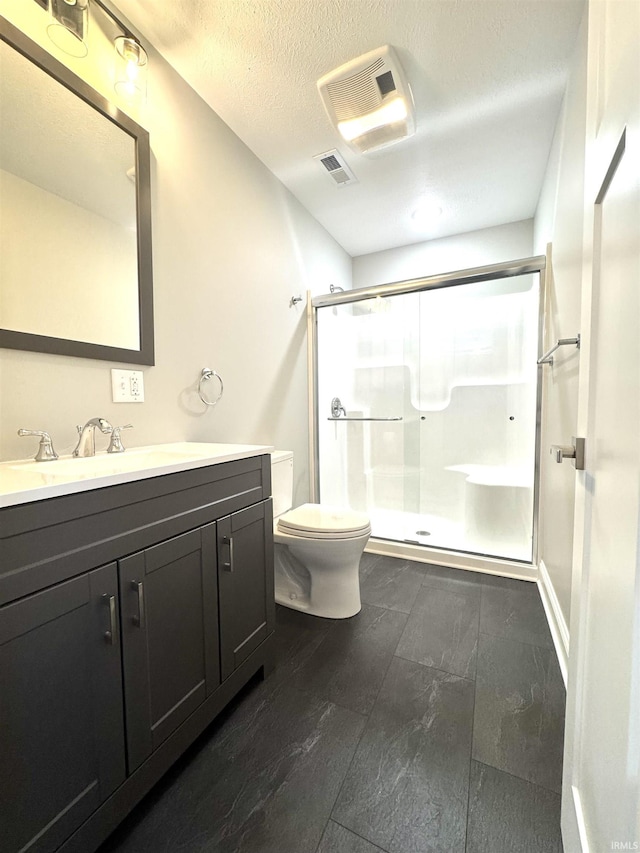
[(318, 521)]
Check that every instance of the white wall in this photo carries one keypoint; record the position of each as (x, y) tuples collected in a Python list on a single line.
[(473, 249), (559, 221), (231, 246)]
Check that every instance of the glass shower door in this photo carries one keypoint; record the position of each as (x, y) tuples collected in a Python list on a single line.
[(427, 414), (362, 363)]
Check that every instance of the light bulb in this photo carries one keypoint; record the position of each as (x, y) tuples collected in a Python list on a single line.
[(393, 111), (131, 61)]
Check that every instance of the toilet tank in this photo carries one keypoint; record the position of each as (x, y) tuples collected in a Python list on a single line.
[(281, 481)]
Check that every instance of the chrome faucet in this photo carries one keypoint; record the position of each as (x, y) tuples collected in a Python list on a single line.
[(87, 441), (45, 453), (116, 445)]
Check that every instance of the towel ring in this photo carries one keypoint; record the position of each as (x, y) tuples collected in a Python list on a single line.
[(207, 374)]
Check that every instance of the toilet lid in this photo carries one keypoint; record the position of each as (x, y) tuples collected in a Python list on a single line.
[(325, 521)]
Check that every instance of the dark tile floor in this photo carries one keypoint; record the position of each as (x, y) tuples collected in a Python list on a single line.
[(431, 722)]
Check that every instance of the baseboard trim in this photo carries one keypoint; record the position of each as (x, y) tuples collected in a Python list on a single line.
[(574, 830), (555, 618)]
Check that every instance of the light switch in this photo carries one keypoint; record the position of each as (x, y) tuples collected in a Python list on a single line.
[(127, 386)]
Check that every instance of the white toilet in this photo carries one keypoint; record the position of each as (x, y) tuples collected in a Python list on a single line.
[(317, 549)]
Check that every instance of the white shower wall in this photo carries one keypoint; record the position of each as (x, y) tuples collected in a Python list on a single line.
[(458, 366)]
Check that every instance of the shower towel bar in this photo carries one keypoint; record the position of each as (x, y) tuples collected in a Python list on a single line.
[(364, 419), (547, 358)]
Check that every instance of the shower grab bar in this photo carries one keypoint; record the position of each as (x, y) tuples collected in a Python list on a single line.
[(365, 419), (547, 358)]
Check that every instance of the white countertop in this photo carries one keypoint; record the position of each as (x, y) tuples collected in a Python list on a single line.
[(24, 481)]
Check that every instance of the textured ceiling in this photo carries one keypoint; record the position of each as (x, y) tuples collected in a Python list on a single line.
[(487, 78)]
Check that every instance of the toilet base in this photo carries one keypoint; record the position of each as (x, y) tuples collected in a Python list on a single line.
[(331, 591), (303, 605)]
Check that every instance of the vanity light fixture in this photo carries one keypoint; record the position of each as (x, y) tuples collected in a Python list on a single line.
[(131, 62), (131, 58), (68, 25), (67, 29)]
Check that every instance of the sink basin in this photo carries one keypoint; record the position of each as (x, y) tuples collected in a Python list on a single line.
[(138, 458), (29, 480), (113, 463)]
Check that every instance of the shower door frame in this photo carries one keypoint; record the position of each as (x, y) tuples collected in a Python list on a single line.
[(490, 272)]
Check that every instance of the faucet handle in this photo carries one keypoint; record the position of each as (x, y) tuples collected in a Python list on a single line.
[(116, 445), (45, 453)]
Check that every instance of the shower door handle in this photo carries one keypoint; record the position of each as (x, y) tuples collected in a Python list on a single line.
[(337, 408), (575, 452)]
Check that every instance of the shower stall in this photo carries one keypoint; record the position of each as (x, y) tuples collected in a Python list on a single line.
[(426, 405)]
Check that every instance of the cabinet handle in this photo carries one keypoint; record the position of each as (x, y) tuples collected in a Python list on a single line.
[(228, 540), (139, 620), (111, 635)]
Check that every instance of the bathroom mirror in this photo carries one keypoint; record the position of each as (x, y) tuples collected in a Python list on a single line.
[(75, 214)]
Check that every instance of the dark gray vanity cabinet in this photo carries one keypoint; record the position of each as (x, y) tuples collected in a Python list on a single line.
[(245, 573), (62, 743), (169, 636), (122, 635)]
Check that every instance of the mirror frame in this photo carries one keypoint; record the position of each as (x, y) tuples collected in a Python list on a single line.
[(10, 339)]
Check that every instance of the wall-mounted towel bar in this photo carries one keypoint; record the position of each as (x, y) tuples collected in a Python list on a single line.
[(364, 419), (547, 358)]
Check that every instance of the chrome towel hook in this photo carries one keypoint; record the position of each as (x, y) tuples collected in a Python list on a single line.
[(205, 376)]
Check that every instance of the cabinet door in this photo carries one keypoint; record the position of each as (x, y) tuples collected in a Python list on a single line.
[(61, 719), (169, 636), (245, 580)]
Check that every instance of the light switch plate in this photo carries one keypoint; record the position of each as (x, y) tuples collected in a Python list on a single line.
[(127, 386)]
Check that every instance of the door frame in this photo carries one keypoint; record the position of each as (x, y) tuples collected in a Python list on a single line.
[(605, 141)]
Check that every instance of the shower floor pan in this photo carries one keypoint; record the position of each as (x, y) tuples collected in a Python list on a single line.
[(436, 532)]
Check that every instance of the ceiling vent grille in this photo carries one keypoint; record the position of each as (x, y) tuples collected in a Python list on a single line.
[(369, 101), (336, 167), (357, 93)]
